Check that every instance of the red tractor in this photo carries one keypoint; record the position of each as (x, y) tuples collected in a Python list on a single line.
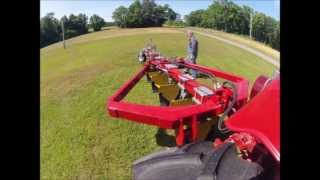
[(219, 132)]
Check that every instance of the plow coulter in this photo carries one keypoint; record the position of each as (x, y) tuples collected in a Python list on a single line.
[(219, 132)]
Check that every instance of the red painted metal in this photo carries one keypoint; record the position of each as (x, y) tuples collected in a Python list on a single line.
[(258, 85), (181, 134), (261, 118), (244, 141), (217, 142), (194, 126), (176, 117)]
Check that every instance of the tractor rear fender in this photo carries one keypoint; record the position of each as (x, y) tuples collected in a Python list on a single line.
[(260, 117)]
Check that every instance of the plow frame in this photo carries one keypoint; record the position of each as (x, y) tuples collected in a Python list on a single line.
[(173, 117)]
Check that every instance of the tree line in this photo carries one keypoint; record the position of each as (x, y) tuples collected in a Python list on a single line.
[(74, 25), (145, 13), (226, 16)]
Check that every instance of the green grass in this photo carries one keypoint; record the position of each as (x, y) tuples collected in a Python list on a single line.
[(79, 140), (245, 40)]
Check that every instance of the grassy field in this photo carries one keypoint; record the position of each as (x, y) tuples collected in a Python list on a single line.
[(78, 139)]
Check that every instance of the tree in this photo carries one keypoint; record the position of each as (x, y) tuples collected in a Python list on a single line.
[(194, 18), (218, 13), (144, 13), (163, 14), (149, 17), (120, 16), (275, 42), (258, 27), (96, 22), (246, 13), (75, 25), (50, 27), (50, 30), (169, 13), (227, 16), (134, 14), (83, 23)]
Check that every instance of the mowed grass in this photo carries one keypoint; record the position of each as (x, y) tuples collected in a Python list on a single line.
[(245, 40), (79, 140)]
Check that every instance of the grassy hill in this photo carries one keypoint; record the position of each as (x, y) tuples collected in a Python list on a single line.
[(79, 140), (245, 40)]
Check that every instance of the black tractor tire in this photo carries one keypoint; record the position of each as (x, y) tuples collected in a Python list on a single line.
[(169, 167), (192, 160)]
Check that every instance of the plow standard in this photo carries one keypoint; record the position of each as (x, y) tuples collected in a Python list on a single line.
[(220, 132)]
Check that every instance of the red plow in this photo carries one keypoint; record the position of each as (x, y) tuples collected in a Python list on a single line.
[(218, 129)]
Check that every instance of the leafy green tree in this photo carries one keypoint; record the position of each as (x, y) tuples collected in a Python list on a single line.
[(275, 40), (145, 13), (169, 13), (218, 12), (149, 13), (270, 27), (245, 26), (75, 25), (229, 17), (194, 18), (134, 14), (258, 27), (50, 30), (96, 22), (163, 14), (120, 16)]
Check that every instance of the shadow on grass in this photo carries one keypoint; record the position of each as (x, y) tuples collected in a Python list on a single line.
[(164, 139)]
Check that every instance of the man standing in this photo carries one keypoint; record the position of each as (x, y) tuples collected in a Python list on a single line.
[(192, 51)]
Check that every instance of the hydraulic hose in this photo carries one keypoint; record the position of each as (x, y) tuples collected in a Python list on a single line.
[(213, 78), (231, 104)]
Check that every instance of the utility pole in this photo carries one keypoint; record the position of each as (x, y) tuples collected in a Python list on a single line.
[(251, 24), (62, 27)]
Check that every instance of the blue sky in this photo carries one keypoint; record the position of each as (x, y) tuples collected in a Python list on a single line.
[(104, 8)]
